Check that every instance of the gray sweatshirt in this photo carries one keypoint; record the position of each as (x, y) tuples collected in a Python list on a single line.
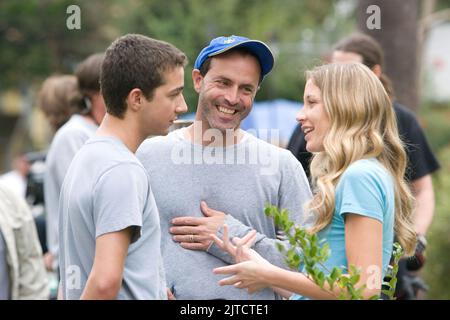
[(238, 180)]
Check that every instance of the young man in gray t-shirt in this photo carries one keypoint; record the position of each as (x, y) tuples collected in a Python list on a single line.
[(109, 223)]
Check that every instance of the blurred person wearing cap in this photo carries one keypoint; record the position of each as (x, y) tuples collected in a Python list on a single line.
[(67, 141), (109, 227), (212, 164)]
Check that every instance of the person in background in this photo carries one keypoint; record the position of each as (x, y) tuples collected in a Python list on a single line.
[(68, 140), (22, 270), (59, 98), (16, 179)]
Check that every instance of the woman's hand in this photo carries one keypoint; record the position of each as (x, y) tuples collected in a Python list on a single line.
[(241, 251), (246, 273)]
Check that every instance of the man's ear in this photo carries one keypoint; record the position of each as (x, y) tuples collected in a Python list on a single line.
[(197, 79), (135, 99)]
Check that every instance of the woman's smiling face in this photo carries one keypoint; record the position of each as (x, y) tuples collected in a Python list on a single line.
[(313, 118)]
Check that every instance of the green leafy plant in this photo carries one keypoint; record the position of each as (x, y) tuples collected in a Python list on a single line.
[(389, 286), (307, 249)]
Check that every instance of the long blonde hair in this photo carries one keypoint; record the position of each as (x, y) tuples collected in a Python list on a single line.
[(362, 125)]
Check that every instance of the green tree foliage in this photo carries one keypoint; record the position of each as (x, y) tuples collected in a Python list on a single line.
[(438, 258), (191, 24), (435, 119), (307, 250), (35, 41)]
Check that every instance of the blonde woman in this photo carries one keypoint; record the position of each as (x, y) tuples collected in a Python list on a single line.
[(360, 198)]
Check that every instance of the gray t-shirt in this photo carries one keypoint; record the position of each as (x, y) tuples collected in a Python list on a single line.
[(238, 180), (106, 189), (67, 141)]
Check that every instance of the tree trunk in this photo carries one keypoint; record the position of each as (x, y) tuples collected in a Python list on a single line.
[(398, 38)]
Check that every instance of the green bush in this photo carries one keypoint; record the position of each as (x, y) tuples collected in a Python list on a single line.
[(435, 120), (306, 249), (437, 266)]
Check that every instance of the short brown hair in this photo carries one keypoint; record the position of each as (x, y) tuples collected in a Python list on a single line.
[(370, 51), (135, 61), (88, 73), (59, 98)]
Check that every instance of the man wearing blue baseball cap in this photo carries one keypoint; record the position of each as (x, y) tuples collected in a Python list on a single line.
[(215, 163)]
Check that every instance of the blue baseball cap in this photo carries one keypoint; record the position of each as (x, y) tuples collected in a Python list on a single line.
[(222, 44)]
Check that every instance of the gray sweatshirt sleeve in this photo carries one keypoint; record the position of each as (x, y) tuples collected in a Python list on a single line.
[(293, 193)]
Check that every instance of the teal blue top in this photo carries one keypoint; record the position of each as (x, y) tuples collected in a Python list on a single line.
[(366, 188)]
